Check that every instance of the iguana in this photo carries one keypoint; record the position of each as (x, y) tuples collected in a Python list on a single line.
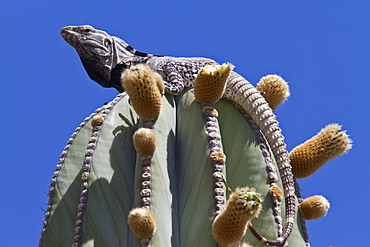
[(105, 57)]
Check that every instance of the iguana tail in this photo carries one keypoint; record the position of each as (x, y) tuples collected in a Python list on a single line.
[(243, 93)]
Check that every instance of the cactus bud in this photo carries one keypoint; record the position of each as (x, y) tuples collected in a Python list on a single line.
[(97, 120), (145, 89), (142, 223), (276, 90), (276, 192), (309, 156), (209, 86), (230, 225), (314, 207), (144, 141)]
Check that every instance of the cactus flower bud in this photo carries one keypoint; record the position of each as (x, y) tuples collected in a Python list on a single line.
[(314, 207), (309, 156), (145, 89), (142, 223), (97, 120), (144, 141), (230, 225), (209, 86), (276, 90)]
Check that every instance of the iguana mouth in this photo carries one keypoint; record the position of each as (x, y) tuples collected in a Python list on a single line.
[(70, 36), (73, 37)]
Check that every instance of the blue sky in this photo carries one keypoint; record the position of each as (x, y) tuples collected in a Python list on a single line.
[(322, 48)]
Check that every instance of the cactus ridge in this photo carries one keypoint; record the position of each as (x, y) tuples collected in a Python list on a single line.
[(57, 170), (86, 167), (217, 156), (145, 187)]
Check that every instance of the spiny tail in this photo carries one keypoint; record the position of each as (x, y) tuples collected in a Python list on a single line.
[(243, 93)]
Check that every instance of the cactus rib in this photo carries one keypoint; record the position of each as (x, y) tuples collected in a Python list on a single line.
[(86, 167), (57, 170), (217, 156)]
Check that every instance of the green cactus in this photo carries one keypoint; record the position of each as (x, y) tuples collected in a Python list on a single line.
[(100, 178)]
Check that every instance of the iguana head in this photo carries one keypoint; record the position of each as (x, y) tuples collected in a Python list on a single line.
[(98, 53)]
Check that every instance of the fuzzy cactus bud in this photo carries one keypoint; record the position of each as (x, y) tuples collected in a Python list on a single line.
[(309, 156), (314, 207), (145, 89), (144, 141), (230, 225), (209, 86), (142, 223), (276, 90), (276, 192), (97, 120)]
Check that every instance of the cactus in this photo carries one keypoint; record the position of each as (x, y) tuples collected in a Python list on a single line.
[(126, 180)]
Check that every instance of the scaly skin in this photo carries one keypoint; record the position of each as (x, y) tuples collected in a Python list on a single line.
[(105, 57)]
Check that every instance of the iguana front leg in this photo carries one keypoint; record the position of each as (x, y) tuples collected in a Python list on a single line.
[(173, 81)]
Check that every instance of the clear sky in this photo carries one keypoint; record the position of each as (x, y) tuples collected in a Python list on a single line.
[(322, 48)]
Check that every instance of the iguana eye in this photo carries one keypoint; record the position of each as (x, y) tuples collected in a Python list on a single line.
[(87, 29), (107, 43)]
